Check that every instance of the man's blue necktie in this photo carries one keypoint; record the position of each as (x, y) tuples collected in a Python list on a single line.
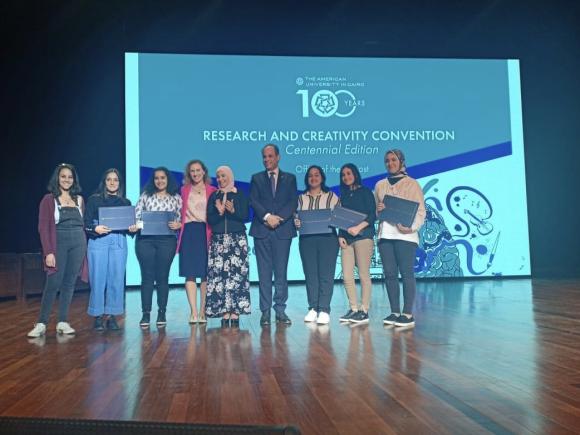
[(273, 183)]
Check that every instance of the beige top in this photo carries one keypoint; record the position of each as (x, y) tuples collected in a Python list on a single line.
[(407, 188), (196, 206)]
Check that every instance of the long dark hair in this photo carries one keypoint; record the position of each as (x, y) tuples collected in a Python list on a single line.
[(102, 188), (322, 175), (357, 179), (172, 187), (53, 186)]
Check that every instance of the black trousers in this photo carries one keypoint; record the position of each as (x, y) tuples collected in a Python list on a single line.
[(155, 255), (318, 253), (399, 256), (71, 247)]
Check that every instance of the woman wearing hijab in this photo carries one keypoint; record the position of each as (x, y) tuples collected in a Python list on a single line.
[(228, 284), (397, 244)]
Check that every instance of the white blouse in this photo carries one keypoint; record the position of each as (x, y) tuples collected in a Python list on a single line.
[(159, 203)]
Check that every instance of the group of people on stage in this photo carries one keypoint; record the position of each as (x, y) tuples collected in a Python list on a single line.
[(210, 237)]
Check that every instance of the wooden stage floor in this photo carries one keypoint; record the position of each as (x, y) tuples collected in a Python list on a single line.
[(486, 356)]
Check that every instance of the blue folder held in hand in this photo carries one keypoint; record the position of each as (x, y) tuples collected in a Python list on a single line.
[(344, 218), (117, 218), (398, 211), (314, 221), (155, 223)]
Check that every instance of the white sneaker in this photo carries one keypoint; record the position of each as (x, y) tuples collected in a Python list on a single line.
[(38, 331), (64, 328), (323, 318), (311, 316)]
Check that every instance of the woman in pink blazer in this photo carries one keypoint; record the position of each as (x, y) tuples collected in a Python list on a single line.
[(195, 235)]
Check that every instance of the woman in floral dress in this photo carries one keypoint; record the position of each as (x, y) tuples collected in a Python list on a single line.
[(228, 284)]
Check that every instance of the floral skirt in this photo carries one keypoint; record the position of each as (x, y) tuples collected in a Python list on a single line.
[(228, 270)]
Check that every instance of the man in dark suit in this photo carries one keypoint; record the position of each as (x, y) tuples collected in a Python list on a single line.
[(273, 198)]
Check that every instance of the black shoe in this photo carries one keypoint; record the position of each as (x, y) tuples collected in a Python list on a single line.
[(235, 323), (225, 323), (98, 325), (145, 321), (112, 324), (161, 318), (283, 318), (360, 317), (265, 319), (347, 316), (390, 319), (405, 321)]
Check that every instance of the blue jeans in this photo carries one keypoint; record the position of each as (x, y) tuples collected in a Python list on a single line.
[(107, 256)]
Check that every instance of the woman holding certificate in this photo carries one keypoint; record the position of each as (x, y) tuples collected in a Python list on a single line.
[(107, 253), (318, 251), (64, 246), (228, 283), (195, 237), (357, 243), (157, 212), (397, 242)]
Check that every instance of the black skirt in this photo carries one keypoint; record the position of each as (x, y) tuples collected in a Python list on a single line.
[(193, 251)]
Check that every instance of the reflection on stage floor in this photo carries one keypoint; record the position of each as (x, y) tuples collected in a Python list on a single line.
[(497, 356)]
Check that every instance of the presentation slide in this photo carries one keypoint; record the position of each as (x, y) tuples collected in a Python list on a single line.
[(458, 121)]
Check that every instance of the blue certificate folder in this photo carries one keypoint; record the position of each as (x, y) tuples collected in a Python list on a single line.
[(155, 223), (117, 218), (314, 221), (398, 211), (344, 218)]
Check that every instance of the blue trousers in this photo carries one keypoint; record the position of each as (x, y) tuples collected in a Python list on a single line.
[(272, 257), (107, 257)]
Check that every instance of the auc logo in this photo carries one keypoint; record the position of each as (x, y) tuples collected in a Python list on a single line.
[(324, 103)]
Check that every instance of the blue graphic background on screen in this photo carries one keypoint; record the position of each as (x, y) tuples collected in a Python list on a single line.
[(183, 95), (476, 223)]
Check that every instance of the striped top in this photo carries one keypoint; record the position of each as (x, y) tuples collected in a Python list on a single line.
[(321, 201)]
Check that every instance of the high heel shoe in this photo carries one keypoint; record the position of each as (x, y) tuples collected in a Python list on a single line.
[(225, 323), (235, 323)]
